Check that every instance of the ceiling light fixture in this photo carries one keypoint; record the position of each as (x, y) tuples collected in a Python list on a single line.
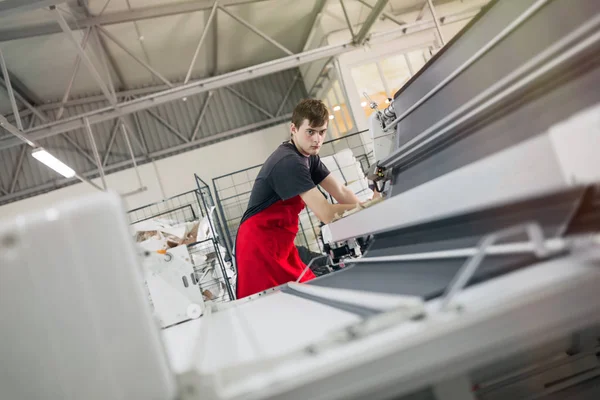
[(331, 117), (363, 104), (52, 162), (337, 108)]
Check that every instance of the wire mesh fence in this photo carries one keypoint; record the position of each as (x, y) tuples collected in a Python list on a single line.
[(210, 273), (182, 208), (214, 274), (232, 191)]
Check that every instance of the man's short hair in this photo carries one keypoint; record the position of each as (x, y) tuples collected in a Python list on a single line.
[(313, 110)]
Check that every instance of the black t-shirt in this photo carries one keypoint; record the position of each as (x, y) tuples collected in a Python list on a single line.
[(286, 174)]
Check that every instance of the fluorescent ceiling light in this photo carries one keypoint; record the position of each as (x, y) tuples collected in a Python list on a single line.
[(331, 116), (44, 157), (337, 108), (363, 104)]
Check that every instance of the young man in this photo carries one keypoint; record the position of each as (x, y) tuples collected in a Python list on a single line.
[(265, 251)]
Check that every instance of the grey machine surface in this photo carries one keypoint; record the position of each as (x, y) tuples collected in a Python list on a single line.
[(478, 280)]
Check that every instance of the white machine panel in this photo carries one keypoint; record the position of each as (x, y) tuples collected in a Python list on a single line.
[(76, 322)]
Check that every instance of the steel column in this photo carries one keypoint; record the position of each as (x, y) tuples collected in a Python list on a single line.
[(257, 31), (113, 135), (95, 150), (437, 22), (347, 18), (78, 148), (212, 83), (318, 13), (22, 154), (136, 58), (131, 153), (160, 153), (387, 15), (287, 94), (73, 75), (142, 138), (409, 64), (204, 32), (247, 100), (12, 129), (11, 94), (103, 59), (26, 103), (167, 125), (84, 57), (15, 178), (201, 117), (373, 16), (340, 77)]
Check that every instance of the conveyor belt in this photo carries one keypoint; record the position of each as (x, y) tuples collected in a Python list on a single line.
[(429, 278)]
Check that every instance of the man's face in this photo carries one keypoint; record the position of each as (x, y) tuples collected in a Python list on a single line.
[(308, 139)]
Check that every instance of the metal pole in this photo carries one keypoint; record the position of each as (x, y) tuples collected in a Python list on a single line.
[(160, 184), (337, 100), (95, 150), (136, 58), (437, 22), (255, 30), (113, 136), (386, 87), (73, 75), (168, 126), (204, 32), (126, 136), (15, 179), (103, 57), (389, 16), (287, 94), (213, 83), (337, 127), (338, 67), (84, 57), (247, 100), (31, 108), (347, 18), (11, 93), (376, 11), (409, 64), (201, 116)]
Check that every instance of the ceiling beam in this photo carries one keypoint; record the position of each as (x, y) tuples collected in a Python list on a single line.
[(315, 18), (10, 8), (118, 17), (149, 157), (373, 16), (228, 79)]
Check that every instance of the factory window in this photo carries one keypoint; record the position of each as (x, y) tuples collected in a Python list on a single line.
[(340, 119), (380, 80), (369, 81)]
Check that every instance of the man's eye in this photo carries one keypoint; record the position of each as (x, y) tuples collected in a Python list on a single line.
[(311, 132)]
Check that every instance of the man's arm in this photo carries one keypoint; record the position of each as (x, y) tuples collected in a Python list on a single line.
[(339, 191), (324, 210)]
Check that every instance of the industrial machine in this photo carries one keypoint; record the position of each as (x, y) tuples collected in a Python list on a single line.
[(479, 278)]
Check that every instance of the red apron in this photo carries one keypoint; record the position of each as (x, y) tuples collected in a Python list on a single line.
[(265, 252)]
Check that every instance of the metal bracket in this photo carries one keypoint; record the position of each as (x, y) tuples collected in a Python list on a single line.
[(311, 263), (464, 274)]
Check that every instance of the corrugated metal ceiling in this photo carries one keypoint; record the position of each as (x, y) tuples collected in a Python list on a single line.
[(43, 63)]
